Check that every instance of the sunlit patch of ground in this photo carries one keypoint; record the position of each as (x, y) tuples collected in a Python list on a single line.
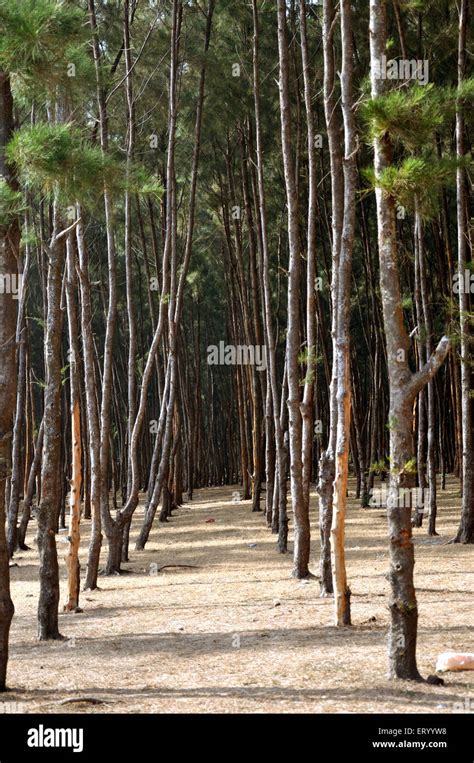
[(237, 634)]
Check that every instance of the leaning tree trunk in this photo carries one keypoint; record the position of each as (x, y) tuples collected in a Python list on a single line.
[(404, 386), (9, 252)]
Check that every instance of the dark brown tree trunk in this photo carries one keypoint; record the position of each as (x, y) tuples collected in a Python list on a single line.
[(9, 253), (48, 510)]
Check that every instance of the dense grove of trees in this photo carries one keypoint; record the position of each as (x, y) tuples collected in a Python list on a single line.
[(235, 248)]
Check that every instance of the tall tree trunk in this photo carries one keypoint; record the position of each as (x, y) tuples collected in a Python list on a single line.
[(74, 536), (48, 510), (465, 532), (280, 472), (431, 413), (9, 253), (90, 384), (15, 485), (129, 275), (403, 387), (299, 505), (343, 306), (311, 338), (327, 460)]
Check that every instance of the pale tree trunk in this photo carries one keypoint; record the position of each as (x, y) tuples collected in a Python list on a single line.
[(9, 253), (417, 520), (20, 411), (30, 488), (327, 459), (90, 385), (299, 505), (113, 533), (280, 471), (431, 413), (343, 307), (168, 294), (465, 532), (74, 536), (404, 386), (176, 299), (308, 392), (130, 290)]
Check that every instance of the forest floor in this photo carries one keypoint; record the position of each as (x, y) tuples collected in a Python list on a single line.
[(237, 633)]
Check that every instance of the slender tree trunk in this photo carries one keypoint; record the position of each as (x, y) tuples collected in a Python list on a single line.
[(466, 528), (30, 489), (327, 459), (431, 413), (341, 589), (280, 472), (299, 505), (308, 392), (129, 275), (90, 384), (16, 480)]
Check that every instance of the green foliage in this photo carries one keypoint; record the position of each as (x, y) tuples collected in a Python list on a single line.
[(58, 158), (10, 202), (39, 38), (50, 157), (410, 466), (379, 467), (417, 180), (409, 116)]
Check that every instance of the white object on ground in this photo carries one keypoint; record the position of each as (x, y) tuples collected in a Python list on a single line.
[(455, 661)]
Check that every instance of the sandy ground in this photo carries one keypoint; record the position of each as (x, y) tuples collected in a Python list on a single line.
[(238, 634)]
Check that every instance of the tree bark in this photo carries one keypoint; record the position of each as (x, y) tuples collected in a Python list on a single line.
[(343, 306), (9, 253), (403, 387), (465, 532), (48, 510), (74, 536)]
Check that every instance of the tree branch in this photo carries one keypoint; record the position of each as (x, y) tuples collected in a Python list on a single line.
[(426, 373)]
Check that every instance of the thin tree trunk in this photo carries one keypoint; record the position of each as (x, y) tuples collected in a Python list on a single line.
[(90, 384), (74, 536), (308, 392), (341, 589), (465, 532), (280, 473), (327, 459)]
